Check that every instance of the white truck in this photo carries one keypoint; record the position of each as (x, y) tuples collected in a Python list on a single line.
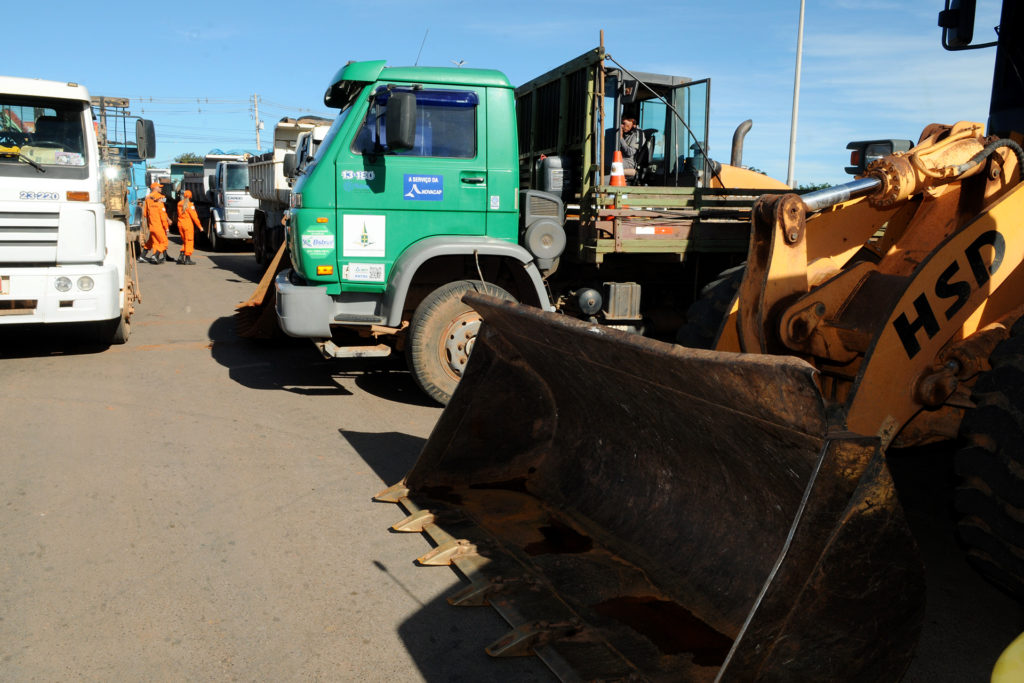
[(271, 176), (62, 259), (222, 199)]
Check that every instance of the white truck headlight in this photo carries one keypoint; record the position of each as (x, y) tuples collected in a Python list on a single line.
[(63, 284), (85, 283)]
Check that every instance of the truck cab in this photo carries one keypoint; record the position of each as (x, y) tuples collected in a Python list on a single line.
[(232, 206), (62, 259), (433, 182)]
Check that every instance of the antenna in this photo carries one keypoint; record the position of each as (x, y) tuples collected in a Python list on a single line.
[(458, 63), (422, 43)]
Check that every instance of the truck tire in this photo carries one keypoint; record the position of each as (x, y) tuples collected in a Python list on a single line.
[(704, 317), (259, 247), (441, 336), (211, 235), (991, 464)]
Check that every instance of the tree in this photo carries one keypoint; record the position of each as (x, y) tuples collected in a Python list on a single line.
[(189, 158)]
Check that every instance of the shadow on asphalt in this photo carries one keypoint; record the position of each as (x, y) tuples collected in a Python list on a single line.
[(36, 341), (389, 454), (448, 644), (241, 264), (294, 365)]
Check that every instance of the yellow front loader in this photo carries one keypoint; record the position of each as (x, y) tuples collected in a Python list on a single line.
[(643, 511)]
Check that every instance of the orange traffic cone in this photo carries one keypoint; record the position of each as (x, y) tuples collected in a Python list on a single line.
[(618, 174)]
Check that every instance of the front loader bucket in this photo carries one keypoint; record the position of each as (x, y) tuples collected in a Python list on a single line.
[(643, 511)]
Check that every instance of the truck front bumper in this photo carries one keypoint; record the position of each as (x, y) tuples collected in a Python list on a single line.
[(303, 310), (30, 295), (233, 230)]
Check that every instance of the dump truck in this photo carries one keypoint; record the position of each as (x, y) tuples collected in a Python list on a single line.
[(65, 239), (221, 197), (638, 510), (433, 182), (272, 174)]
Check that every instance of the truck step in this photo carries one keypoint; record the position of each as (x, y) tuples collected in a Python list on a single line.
[(331, 350)]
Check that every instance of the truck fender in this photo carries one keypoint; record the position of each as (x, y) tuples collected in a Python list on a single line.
[(117, 241), (404, 270)]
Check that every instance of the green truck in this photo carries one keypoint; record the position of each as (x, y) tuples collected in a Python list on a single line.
[(433, 182)]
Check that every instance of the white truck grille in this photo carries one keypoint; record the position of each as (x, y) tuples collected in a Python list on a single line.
[(28, 237)]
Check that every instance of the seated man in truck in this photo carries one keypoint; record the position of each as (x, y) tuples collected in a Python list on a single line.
[(628, 141)]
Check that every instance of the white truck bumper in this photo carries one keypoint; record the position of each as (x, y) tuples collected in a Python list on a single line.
[(30, 295)]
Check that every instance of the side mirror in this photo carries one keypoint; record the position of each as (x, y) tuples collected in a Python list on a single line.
[(288, 165), (145, 138), (400, 122), (957, 22), (865, 151)]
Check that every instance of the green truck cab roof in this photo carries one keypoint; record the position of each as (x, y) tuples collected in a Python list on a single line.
[(376, 70)]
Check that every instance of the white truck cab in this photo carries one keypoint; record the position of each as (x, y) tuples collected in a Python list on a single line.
[(61, 259)]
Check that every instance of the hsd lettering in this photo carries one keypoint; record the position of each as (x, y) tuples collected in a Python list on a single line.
[(950, 285)]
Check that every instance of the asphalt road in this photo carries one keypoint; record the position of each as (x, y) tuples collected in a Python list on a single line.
[(194, 506)]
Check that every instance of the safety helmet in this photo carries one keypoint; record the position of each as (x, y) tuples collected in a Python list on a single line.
[(188, 193), (154, 186)]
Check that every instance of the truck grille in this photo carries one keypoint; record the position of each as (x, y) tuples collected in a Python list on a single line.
[(28, 237)]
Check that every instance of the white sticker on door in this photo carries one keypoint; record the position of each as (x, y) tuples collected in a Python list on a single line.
[(363, 236)]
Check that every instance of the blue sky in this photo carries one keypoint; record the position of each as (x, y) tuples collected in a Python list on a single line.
[(871, 68)]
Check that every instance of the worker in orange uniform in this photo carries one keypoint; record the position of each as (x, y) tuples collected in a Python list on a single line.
[(156, 216), (187, 219)]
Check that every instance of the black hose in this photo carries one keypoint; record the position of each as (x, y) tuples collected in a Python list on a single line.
[(987, 152)]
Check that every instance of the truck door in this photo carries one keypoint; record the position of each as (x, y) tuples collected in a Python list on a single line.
[(388, 201), (679, 153)]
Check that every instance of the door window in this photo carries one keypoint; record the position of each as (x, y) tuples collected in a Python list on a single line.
[(445, 125)]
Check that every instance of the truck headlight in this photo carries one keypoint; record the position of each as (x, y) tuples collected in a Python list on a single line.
[(63, 284), (85, 283), (295, 200)]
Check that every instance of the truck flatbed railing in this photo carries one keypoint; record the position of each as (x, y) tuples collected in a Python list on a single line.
[(666, 220)]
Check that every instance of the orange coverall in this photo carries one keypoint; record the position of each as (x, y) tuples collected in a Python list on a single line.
[(187, 219), (156, 215)]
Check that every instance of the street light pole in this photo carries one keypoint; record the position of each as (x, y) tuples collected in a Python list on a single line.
[(796, 96)]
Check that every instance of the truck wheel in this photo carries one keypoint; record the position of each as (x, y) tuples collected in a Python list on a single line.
[(123, 330), (259, 247), (211, 235), (704, 317), (441, 336), (991, 464)]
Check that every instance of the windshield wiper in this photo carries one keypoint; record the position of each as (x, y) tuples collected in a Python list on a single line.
[(31, 163), (11, 152)]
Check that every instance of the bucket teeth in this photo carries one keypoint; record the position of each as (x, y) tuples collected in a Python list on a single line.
[(393, 493), (446, 553), (521, 641), (415, 522)]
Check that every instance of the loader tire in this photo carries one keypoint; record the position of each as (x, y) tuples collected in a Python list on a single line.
[(441, 336), (991, 465), (704, 317)]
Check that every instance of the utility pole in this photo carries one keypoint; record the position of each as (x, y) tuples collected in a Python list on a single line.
[(256, 115), (796, 96)]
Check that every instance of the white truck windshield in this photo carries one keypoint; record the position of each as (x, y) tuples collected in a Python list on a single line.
[(46, 132), (237, 178)]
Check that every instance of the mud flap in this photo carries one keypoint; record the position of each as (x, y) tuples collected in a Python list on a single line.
[(641, 510)]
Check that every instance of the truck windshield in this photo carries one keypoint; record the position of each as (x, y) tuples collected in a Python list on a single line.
[(335, 127), (46, 131), (237, 179)]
